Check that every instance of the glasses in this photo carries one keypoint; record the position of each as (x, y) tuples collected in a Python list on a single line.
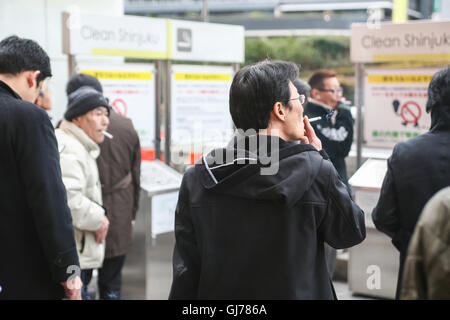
[(333, 91), (300, 98)]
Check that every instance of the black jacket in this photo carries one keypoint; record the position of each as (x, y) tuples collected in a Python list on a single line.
[(336, 137), (37, 241), (417, 169), (244, 235)]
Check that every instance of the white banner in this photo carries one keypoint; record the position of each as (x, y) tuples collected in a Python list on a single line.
[(394, 105), (126, 36), (419, 40), (130, 89), (199, 98)]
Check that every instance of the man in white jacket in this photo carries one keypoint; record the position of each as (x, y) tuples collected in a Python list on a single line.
[(78, 137)]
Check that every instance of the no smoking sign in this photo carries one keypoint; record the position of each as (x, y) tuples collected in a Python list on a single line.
[(120, 106), (410, 112)]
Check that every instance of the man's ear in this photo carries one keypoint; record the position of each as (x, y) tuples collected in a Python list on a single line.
[(32, 78), (279, 111), (315, 93)]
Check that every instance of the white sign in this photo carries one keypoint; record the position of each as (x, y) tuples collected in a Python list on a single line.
[(394, 108), (199, 98), (163, 212), (126, 36), (152, 38), (384, 42), (199, 41), (130, 89)]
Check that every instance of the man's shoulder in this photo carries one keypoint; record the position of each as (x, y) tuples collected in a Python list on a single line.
[(23, 109), (68, 143), (313, 108)]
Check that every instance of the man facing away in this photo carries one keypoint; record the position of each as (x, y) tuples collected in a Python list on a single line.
[(252, 218), (38, 257), (336, 134), (78, 137), (417, 169)]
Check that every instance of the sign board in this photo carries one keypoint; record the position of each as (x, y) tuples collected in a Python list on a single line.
[(126, 36), (130, 89), (412, 41), (152, 38), (394, 108), (199, 41), (199, 98), (163, 212)]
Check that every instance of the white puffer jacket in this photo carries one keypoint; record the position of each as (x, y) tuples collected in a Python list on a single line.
[(78, 155)]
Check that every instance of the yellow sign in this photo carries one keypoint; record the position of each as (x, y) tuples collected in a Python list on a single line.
[(118, 75), (130, 53), (400, 11), (203, 76), (400, 78)]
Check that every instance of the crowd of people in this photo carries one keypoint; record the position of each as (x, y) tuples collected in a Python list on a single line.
[(263, 224)]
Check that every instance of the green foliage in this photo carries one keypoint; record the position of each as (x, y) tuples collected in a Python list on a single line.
[(312, 52)]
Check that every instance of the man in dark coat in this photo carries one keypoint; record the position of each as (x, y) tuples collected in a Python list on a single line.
[(417, 169), (119, 166), (38, 257), (252, 218), (336, 133)]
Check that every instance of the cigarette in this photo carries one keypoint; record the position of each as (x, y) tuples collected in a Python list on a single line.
[(314, 119), (109, 135)]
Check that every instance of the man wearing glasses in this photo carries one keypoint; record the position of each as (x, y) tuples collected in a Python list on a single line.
[(242, 233), (336, 134)]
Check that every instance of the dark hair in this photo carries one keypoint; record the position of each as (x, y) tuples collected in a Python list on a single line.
[(18, 55), (256, 88), (302, 87), (439, 90), (81, 80), (316, 80)]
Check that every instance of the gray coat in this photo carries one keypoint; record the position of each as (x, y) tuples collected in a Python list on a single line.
[(119, 167)]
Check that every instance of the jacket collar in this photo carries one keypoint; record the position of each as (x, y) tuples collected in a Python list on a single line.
[(7, 89), (71, 128), (318, 103)]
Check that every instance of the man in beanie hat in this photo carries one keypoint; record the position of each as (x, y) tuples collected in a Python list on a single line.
[(78, 137), (119, 167)]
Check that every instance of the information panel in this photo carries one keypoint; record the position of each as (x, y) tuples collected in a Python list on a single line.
[(130, 89), (394, 107), (199, 97)]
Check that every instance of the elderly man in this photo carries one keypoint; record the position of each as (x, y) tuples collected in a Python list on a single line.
[(38, 256), (119, 166), (244, 232), (417, 169), (78, 136)]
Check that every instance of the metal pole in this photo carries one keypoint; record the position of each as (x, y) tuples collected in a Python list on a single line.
[(148, 244), (168, 113), (205, 11), (359, 102), (71, 64), (157, 109)]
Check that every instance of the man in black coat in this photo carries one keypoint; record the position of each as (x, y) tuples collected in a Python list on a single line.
[(252, 218), (38, 257), (335, 133), (417, 169)]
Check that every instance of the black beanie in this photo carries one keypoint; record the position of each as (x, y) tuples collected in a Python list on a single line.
[(80, 80), (83, 100)]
